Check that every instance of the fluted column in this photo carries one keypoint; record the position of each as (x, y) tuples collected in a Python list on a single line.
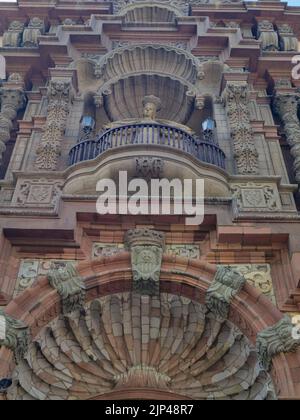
[(236, 97), (59, 96), (12, 100), (286, 106)]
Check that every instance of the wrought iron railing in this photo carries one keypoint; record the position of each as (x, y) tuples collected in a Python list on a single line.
[(148, 134)]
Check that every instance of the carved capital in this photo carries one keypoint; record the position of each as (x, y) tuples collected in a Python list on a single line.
[(226, 285), (275, 340), (70, 287), (35, 29), (13, 335), (146, 247)]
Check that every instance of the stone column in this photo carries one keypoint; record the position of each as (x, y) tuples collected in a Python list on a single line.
[(12, 100), (60, 95), (236, 97), (286, 106)]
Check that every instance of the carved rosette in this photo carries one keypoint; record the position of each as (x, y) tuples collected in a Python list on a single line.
[(12, 100), (226, 285), (14, 335), (236, 96), (69, 286), (286, 106), (146, 247), (275, 340), (60, 97)]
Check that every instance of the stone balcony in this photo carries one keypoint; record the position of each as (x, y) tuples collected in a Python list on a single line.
[(206, 151)]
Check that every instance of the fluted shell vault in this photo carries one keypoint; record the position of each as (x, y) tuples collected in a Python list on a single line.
[(126, 341)]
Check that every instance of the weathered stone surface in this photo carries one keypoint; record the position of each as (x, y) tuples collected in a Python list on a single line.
[(13, 36), (275, 340), (226, 285), (13, 335), (70, 287), (268, 36), (34, 30)]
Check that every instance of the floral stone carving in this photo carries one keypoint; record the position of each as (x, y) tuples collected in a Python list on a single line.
[(226, 285), (236, 96), (59, 100), (69, 286), (146, 247), (275, 340), (256, 197), (286, 106), (13, 335)]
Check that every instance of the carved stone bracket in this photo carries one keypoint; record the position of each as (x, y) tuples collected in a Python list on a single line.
[(267, 36), (12, 100), (226, 285), (146, 247), (236, 97), (13, 335), (286, 106), (287, 38), (275, 340), (69, 286), (60, 95), (35, 29)]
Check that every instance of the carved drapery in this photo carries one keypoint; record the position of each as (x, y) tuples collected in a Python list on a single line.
[(31, 34), (59, 101), (12, 100), (13, 36), (287, 38), (286, 106), (268, 36), (236, 97)]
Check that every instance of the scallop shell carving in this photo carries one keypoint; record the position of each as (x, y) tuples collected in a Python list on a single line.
[(127, 341)]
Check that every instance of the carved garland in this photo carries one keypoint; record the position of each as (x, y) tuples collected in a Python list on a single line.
[(236, 96), (59, 99)]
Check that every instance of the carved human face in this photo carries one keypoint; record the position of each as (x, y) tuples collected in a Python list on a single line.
[(150, 111)]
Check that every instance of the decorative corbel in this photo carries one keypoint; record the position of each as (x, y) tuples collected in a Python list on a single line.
[(275, 340), (70, 287), (226, 285), (146, 247), (14, 335)]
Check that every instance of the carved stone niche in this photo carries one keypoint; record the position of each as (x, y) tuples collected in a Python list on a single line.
[(256, 197), (146, 247), (13, 36), (37, 192)]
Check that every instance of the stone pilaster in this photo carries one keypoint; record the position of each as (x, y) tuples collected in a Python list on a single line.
[(60, 95), (12, 100), (146, 247), (236, 97), (286, 106)]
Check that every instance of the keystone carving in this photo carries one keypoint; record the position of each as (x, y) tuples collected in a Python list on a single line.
[(12, 100), (226, 285), (146, 247), (13, 335), (59, 100), (69, 285), (286, 106), (13, 36), (31, 34), (236, 97), (275, 340)]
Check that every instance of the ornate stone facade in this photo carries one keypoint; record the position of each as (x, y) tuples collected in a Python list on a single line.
[(236, 97), (256, 197), (59, 97)]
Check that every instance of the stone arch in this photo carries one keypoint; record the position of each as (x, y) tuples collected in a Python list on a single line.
[(108, 283)]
